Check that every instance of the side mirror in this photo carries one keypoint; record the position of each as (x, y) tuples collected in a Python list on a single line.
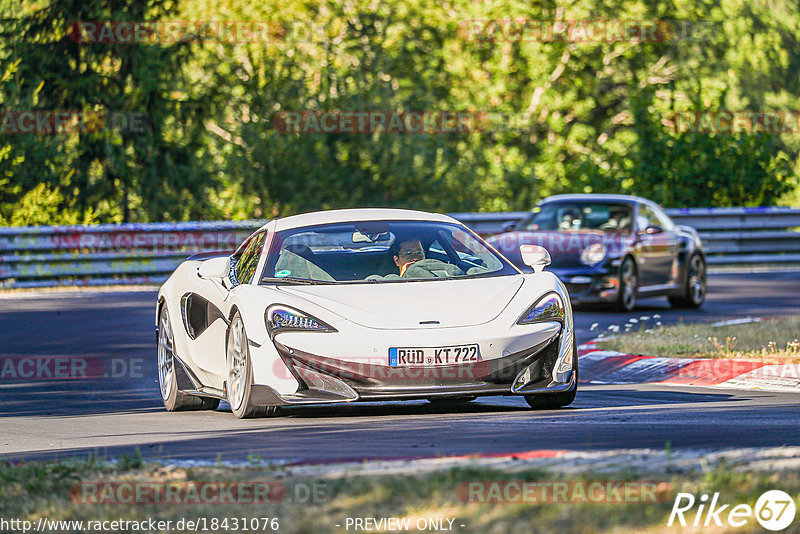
[(535, 257), (214, 268), (509, 226), (654, 229)]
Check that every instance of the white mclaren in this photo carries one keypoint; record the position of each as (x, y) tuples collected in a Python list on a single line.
[(363, 305)]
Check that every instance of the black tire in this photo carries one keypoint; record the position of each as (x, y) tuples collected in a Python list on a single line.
[(554, 401), (240, 373), (628, 285), (173, 399), (694, 288)]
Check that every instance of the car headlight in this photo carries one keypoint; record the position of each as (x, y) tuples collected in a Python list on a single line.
[(593, 254), (550, 307), (280, 318)]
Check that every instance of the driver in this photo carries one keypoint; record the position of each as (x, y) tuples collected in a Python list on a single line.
[(570, 220), (407, 252), (618, 221)]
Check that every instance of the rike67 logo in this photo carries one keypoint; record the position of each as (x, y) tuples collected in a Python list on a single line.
[(774, 510)]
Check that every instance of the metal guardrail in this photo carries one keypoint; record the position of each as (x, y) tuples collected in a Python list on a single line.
[(745, 236), (110, 254), (41, 256)]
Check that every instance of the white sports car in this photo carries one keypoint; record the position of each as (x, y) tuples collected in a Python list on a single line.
[(363, 305)]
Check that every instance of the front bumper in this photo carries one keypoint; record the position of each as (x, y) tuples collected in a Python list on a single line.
[(590, 285), (548, 366)]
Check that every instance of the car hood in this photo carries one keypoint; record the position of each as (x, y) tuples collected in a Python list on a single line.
[(405, 305), (565, 247)]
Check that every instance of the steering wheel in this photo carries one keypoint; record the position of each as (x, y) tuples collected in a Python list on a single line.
[(432, 268)]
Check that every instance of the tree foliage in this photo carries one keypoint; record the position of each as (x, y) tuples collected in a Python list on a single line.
[(153, 171), (569, 116)]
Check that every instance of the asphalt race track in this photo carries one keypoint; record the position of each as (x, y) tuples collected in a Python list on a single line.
[(116, 413)]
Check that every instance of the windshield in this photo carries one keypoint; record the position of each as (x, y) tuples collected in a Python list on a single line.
[(569, 216), (376, 251)]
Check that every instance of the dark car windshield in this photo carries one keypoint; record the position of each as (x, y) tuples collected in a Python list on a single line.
[(570, 216), (377, 251)]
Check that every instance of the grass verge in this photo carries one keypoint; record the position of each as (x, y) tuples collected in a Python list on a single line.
[(773, 340), (33, 490)]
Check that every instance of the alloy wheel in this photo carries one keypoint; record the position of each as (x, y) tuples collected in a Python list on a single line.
[(629, 283), (697, 280), (166, 359), (237, 364)]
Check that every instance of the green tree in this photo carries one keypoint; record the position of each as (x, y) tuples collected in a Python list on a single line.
[(701, 169), (152, 172)]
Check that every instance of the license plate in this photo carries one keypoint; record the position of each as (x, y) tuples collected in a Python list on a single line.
[(411, 356)]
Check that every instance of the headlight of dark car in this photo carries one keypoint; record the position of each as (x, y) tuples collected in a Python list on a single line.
[(593, 254), (279, 318), (549, 307)]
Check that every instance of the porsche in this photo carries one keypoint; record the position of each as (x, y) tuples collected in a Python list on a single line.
[(613, 249), (363, 305)]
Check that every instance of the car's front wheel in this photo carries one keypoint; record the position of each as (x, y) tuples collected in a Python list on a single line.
[(694, 291), (240, 373), (551, 401), (173, 399)]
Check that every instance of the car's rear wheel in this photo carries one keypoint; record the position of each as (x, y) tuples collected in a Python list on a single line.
[(694, 291), (240, 373), (628, 285), (173, 399)]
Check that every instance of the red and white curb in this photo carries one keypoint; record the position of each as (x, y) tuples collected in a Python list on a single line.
[(610, 367)]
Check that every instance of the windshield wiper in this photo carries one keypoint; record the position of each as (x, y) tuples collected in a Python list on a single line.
[(290, 280)]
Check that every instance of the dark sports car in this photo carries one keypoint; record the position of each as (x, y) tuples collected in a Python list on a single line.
[(612, 249)]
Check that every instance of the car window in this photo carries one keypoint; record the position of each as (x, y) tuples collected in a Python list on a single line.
[(247, 262), (570, 216), (378, 251), (663, 220), (469, 249), (646, 217)]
